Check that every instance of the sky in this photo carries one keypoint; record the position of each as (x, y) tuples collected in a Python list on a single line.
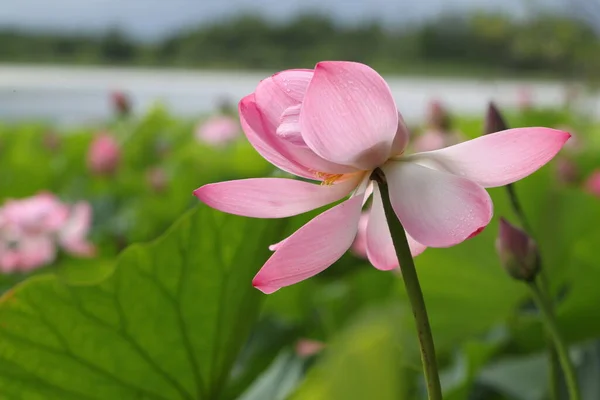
[(154, 19)]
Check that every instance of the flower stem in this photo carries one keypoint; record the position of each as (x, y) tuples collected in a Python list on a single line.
[(516, 206), (415, 296), (554, 371), (552, 328)]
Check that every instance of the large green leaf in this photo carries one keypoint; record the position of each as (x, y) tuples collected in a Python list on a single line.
[(168, 324), (366, 361)]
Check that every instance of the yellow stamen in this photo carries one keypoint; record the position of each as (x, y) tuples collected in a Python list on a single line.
[(328, 179)]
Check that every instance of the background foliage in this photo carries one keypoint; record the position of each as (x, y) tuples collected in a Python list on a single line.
[(178, 319)]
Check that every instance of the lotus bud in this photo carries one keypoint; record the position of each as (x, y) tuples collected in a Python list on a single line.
[(121, 103), (157, 179), (494, 122), (104, 154), (518, 252)]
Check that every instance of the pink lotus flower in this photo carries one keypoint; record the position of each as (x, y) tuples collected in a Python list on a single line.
[(337, 124), (72, 235), (592, 184), (104, 154), (218, 130), (42, 213), (32, 228)]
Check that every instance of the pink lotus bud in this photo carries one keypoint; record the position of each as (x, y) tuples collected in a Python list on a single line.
[(566, 171), (308, 347), (438, 117), (104, 154), (157, 179), (517, 251), (121, 103), (592, 184), (51, 141), (493, 120)]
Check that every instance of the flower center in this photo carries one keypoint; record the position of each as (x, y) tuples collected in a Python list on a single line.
[(327, 179)]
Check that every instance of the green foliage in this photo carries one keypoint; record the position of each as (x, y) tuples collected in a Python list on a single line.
[(178, 318), (168, 324)]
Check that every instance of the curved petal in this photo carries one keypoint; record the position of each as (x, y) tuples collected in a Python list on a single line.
[(312, 248), (273, 96), (349, 116), (267, 145), (380, 247), (499, 158), (402, 137), (289, 128), (277, 93), (272, 197), (437, 209)]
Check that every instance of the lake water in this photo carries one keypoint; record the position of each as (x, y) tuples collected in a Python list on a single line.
[(72, 95)]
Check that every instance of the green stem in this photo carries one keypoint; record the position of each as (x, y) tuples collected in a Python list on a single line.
[(554, 371), (415, 296), (561, 350), (516, 206)]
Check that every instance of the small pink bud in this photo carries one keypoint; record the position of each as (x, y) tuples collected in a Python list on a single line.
[(566, 171), (308, 347), (517, 251), (493, 120), (104, 154), (592, 184), (120, 103), (157, 179), (438, 117)]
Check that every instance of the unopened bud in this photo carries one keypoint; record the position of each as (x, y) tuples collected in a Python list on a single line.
[(438, 117), (493, 120), (517, 251), (104, 154), (566, 171), (121, 103), (157, 179)]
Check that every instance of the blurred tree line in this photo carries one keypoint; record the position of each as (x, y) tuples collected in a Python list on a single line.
[(548, 44)]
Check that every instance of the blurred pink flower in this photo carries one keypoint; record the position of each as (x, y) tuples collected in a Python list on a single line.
[(157, 179), (32, 228), (338, 124), (72, 236), (308, 347), (436, 139), (566, 170), (218, 130), (39, 214), (592, 184), (104, 154)]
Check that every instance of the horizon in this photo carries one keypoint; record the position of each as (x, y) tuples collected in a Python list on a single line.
[(157, 20)]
